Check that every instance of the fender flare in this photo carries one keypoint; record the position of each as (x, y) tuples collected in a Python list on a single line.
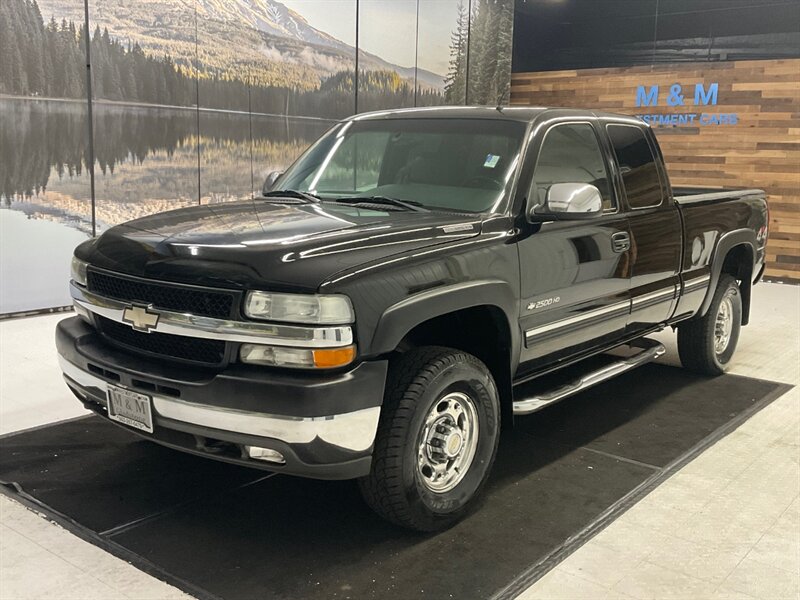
[(726, 243), (400, 318)]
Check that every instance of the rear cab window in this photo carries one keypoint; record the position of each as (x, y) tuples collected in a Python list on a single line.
[(637, 166)]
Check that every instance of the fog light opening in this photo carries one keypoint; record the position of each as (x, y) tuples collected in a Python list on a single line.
[(265, 454)]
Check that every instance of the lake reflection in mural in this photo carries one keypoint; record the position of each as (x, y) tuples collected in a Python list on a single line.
[(145, 162), (146, 158)]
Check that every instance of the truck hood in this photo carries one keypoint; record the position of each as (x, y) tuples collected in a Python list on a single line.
[(256, 243)]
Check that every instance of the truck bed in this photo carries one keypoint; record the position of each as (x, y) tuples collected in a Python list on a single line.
[(709, 214)]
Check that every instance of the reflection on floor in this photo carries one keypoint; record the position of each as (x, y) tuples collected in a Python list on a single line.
[(23, 251), (750, 478)]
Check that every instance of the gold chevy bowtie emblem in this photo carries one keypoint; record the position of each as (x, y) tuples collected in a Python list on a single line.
[(140, 318)]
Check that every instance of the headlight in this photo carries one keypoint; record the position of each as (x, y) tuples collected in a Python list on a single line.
[(299, 308), (280, 356), (78, 271)]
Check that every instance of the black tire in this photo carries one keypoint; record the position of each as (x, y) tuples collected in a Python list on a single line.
[(418, 382), (697, 337)]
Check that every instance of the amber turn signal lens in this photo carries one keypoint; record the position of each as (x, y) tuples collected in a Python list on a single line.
[(334, 357)]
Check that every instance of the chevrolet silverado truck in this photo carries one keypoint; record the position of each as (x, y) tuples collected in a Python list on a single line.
[(415, 280)]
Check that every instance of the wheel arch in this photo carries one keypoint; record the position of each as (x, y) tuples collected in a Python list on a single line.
[(478, 317), (735, 255)]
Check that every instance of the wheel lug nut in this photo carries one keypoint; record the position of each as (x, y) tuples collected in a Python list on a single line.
[(440, 429)]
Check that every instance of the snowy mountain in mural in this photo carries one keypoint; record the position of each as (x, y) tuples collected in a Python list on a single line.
[(270, 17), (263, 38)]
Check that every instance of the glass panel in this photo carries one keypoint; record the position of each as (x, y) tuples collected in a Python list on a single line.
[(571, 154), (45, 205), (315, 64), (145, 132), (278, 141), (637, 165), (224, 117), (553, 36), (387, 52), (724, 30), (145, 161), (441, 52), (285, 61), (489, 58)]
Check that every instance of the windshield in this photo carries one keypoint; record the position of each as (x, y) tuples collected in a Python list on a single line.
[(462, 165)]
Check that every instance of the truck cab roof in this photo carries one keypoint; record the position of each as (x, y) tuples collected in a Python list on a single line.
[(524, 114)]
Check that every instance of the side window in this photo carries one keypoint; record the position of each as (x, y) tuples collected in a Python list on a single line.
[(637, 165), (570, 153)]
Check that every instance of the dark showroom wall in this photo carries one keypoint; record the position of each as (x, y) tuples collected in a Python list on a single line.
[(195, 101), (719, 80)]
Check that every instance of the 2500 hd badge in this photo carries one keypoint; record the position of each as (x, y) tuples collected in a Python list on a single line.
[(544, 303)]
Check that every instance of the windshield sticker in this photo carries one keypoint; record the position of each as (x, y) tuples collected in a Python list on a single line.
[(491, 161)]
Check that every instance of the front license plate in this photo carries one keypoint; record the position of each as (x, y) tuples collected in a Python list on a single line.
[(131, 408)]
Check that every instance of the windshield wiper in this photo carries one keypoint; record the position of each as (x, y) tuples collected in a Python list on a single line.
[(388, 200), (306, 197)]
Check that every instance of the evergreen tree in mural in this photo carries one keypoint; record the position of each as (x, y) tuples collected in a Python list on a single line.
[(455, 82), (480, 54), (38, 59), (49, 60)]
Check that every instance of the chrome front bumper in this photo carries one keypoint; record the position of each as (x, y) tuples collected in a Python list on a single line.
[(353, 431), (324, 425)]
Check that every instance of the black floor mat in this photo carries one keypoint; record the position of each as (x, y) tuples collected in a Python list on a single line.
[(230, 532), (102, 476)]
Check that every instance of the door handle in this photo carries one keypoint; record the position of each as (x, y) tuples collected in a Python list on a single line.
[(621, 241)]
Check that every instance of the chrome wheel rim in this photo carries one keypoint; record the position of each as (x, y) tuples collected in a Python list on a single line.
[(448, 442), (723, 327)]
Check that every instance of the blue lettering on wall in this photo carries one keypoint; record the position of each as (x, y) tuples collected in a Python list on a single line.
[(675, 97), (701, 96), (647, 98), (704, 95)]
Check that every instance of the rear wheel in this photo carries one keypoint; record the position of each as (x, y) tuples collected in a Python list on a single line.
[(436, 439), (706, 345)]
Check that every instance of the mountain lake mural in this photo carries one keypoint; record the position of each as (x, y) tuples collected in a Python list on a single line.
[(196, 101)]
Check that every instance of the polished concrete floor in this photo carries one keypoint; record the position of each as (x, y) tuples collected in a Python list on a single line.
[(725, 526)]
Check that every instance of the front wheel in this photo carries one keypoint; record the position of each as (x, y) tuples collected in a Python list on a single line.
[(436, 441), (706, 345)]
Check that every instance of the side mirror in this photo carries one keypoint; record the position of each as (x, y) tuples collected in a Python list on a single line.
[(269, 182), (571, 201)]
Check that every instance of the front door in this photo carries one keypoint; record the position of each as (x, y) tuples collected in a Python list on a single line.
[(574, 275)]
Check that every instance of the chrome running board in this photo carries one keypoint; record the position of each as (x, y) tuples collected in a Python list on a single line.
[(650, 351)]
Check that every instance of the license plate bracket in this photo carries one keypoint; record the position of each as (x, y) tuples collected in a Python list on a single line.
[(130, 408)]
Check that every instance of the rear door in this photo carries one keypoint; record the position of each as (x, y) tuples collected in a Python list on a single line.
[(654, 222), (573, 274)]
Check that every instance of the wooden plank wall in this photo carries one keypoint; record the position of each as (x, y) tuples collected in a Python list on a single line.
[(762, 150)]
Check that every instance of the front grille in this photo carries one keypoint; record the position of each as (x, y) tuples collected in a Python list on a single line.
[(166, 296), (189, 349)]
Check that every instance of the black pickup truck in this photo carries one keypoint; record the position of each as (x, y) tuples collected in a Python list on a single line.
[(374, 314)]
